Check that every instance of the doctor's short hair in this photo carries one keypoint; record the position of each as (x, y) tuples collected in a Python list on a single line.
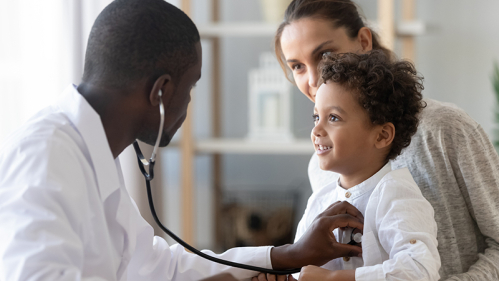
[(136, 39), (390, 91)]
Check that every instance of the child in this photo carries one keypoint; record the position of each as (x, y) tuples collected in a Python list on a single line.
[(366, 112)]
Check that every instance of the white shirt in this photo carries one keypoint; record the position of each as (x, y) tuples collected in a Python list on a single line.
[(399, 240), (65, 213)]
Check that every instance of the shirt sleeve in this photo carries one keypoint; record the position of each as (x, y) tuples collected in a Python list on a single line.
[(406, 230), (43, 196), (154, 259), (476, 166), (38, 239)]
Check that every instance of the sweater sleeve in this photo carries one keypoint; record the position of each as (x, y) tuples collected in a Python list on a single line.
[(477, 169), (457, 169)]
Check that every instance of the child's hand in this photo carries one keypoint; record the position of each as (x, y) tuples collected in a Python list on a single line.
[(314, 273), (270, 277)]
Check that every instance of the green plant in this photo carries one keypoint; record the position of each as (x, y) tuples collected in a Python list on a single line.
[(495, 83)]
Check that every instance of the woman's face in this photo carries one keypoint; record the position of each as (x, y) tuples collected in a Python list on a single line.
[(303, 43)]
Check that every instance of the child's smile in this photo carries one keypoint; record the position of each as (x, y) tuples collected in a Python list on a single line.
[(321, 148)]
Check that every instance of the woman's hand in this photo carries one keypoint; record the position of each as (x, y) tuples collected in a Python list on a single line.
[(314, 273)]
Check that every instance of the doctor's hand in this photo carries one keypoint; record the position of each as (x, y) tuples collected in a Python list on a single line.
[(318, 244), (341, 207), (221, 277)]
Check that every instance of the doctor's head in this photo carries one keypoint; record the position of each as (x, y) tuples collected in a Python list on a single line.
[(142, 47), (314, 27)]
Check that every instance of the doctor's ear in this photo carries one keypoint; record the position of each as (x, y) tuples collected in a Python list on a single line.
[(385, 135), (163, 88)]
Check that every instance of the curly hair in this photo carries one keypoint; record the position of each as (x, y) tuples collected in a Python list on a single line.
[(390, 91)]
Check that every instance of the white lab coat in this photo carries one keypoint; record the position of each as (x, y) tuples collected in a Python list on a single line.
[(399, 241), (65, 213)]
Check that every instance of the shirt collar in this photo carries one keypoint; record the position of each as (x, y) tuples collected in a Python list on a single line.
[(89, 125), (363, 187)]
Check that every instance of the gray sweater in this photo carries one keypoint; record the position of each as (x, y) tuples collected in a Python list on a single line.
[(457, 169)]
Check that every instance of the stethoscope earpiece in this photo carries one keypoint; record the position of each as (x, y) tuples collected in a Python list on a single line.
[(142, 160)]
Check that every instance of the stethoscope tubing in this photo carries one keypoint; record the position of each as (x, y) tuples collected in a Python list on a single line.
[(149, 176), (208, 257)]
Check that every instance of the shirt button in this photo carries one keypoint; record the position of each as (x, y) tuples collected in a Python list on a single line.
[(348, 194), (346, 258), (413, 241)]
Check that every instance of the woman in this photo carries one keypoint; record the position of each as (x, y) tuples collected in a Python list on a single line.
[(450, 157)]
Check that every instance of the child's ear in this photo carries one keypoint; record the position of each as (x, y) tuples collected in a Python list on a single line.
[(386, 133)]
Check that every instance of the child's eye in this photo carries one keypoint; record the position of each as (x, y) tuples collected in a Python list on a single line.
[(316, 118), (333, 118)]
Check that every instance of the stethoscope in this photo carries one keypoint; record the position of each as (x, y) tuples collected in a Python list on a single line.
[(149, 176)]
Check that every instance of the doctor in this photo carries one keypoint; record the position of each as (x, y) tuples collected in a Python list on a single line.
[(64, 211)]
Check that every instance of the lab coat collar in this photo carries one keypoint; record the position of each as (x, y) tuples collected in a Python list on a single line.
[(89, 125)]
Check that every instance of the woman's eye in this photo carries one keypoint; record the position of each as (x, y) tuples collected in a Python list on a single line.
[(296, 67)]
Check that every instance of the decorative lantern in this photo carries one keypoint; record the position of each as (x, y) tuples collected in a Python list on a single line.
[(269, 102)]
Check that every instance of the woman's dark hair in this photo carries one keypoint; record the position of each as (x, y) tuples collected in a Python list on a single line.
[(389, 91), (341, 13)]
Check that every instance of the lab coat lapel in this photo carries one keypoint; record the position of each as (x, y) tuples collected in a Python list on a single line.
[(89, 125)]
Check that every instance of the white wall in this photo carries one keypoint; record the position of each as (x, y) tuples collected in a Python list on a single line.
[(42, 45), (456, 56)]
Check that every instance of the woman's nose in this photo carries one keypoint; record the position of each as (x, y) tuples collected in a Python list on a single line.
[(312, 79), (312, 84)]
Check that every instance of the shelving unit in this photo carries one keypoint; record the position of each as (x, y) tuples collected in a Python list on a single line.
[(242, 29), (237, 146), (258, 29), (217, 146)]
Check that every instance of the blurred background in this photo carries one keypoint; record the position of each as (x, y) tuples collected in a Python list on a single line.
[(223, 181)]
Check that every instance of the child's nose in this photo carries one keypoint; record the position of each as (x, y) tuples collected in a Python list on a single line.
[(317, 131)]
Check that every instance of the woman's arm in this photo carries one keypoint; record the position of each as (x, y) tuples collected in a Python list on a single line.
[(476, 167), (457, 169)]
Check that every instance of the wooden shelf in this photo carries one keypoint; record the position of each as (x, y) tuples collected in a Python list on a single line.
[(237, 29), (411, 28), (242, 146), (255, 29)]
